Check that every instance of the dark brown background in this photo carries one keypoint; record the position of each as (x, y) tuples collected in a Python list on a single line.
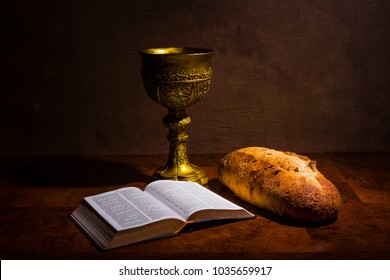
[(305, 76)]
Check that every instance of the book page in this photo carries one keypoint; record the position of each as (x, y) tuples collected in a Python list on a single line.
[(188, 197), (129, 207)]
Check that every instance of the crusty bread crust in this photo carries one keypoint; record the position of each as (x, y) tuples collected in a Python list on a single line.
[(283, 182)]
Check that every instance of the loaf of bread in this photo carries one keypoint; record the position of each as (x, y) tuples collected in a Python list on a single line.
[(285, 183)]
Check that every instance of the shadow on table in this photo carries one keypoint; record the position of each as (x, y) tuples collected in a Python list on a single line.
[(75, 171)]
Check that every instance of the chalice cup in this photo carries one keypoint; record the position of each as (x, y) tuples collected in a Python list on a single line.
[(177, 78)]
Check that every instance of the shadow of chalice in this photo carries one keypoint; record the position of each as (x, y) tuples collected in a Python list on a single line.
[(177, 78)]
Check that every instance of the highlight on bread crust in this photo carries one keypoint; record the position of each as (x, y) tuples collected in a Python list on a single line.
[(285, 183)]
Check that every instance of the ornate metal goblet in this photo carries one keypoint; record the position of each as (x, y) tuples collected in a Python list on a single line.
[(177, 78)]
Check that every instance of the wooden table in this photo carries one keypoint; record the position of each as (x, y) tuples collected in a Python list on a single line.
[(38, 194)]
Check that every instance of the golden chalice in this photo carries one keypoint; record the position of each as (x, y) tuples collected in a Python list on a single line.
[(177, 78)]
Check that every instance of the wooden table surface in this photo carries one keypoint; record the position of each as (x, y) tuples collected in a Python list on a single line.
[(38, 194)]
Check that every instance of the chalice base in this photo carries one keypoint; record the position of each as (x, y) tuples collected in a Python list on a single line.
[(183, 172)]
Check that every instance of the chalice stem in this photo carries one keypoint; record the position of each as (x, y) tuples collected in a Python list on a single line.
[(178, 167), (176, 121)]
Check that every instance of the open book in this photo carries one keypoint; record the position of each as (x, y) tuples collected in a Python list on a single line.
[(130, 215)]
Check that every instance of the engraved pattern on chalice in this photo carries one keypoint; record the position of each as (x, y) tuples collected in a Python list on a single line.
[(177, 78)]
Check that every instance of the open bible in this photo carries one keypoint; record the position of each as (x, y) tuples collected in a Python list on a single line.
[(130, 215)]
